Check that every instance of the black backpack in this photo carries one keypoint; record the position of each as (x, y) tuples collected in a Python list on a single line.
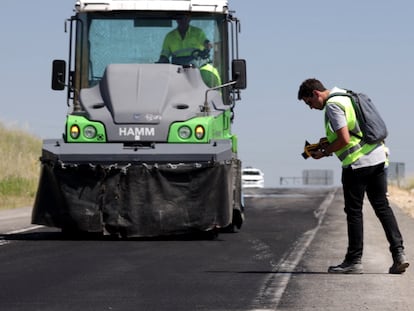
[(371, 124)]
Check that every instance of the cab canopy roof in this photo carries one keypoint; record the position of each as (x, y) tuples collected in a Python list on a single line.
[(152, 5)]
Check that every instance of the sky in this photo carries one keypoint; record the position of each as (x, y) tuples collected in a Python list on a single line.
[(366, 46)]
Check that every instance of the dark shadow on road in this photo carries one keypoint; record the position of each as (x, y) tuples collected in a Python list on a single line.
[(59, 236)]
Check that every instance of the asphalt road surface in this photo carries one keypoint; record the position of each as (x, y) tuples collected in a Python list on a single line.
[(278, 261)]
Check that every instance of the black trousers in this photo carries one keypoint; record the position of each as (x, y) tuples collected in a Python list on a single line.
[(372, 181)]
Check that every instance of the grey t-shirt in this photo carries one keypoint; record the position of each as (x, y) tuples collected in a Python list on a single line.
[(337, 120)]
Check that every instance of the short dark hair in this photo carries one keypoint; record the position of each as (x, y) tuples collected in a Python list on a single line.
[(308, 86)]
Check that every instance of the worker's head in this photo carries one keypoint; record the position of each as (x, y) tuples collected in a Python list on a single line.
[(313, 93), (183, 21)]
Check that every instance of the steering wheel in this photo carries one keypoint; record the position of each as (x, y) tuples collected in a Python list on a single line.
[(201, 54)]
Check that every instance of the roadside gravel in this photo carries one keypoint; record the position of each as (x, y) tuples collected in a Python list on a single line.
[(404, 199)]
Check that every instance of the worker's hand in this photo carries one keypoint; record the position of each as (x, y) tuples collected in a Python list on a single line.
[(200, 54), (316, 154), (207, 45), (323, 142)]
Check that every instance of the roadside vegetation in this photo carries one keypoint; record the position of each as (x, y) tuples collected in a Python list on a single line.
[(410, 184), (19, 167)]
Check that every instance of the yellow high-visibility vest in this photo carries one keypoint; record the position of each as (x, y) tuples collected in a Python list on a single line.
[(356, 148), (210, 75)]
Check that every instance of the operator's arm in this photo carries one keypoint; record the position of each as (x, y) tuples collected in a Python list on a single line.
[(203, 44), (166, 50)]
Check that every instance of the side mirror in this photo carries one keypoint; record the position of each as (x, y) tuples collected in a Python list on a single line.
[(238, 71), (58, 75)]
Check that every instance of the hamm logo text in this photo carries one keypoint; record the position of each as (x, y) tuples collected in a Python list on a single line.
[(137, 132)]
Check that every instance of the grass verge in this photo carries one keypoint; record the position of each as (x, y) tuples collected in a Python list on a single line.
[(19, 167)]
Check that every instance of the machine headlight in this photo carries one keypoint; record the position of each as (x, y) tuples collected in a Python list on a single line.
[(89, 131), (199, 132), (74, 131), (184, 132)]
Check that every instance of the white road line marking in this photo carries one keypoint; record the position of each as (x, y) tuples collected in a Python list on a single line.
[(24, 229), (275, 285), (5, 242)]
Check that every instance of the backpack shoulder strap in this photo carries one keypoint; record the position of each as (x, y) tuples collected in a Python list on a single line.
[(355, 102), (348, 93)]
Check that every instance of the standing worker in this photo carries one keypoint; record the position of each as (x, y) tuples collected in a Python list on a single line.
[(362, 171)]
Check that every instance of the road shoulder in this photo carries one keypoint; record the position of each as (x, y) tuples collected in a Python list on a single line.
[(312, 288), (15, 219)]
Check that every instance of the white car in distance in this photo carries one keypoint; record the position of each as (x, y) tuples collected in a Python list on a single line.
[(252, 178)]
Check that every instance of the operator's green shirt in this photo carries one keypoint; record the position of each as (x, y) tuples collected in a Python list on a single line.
[(180, 49)]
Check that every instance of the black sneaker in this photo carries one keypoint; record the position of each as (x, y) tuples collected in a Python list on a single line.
[(399, 265), (347, 268)]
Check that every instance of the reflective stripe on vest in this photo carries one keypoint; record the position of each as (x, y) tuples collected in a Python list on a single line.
[(347, 152)]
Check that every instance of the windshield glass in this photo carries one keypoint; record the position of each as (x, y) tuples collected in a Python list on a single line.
[(122, 38)]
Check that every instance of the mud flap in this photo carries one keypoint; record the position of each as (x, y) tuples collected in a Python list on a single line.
[(136, 200)]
